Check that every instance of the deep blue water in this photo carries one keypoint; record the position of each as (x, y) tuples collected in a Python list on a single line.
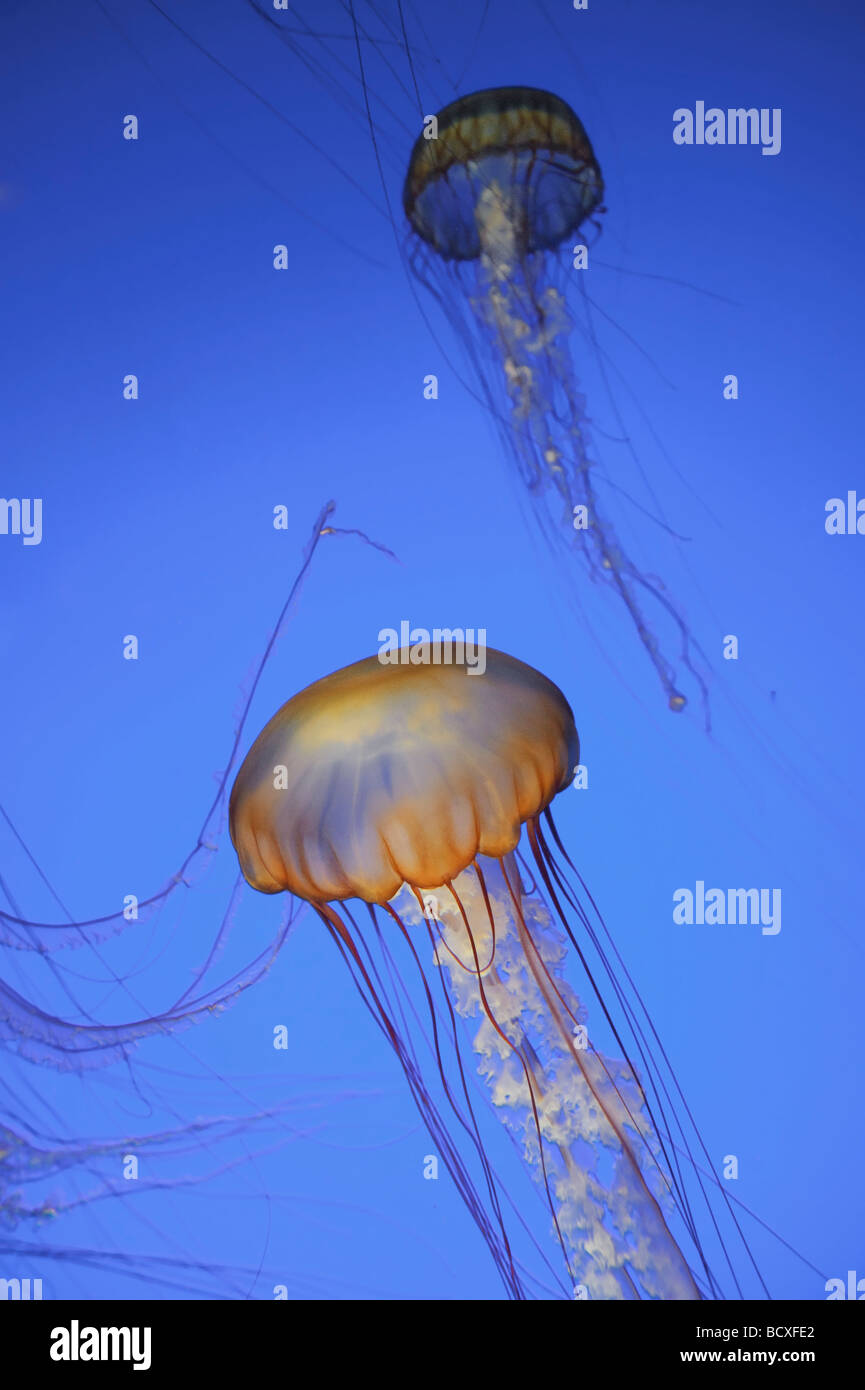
[(261, 388)]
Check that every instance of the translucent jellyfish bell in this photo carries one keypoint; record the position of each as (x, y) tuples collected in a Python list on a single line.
[(397, 774)]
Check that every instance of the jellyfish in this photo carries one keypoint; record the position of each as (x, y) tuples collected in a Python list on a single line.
[(498, 185), (409, 788)]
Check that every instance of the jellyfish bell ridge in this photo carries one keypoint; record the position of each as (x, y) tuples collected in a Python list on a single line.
[(384, 774)]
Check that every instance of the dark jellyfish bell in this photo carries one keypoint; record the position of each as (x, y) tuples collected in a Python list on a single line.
[(526, 141)]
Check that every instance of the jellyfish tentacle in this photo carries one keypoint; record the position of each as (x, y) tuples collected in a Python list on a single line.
[(549, 989), (660, 1084), (497, 1242), (530, 328), (530, 1072), (560, 1101)]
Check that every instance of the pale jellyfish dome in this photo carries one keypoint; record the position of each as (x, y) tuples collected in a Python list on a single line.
[(383, 774)]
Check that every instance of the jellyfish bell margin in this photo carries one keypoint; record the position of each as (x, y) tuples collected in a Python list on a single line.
[(394, 799)]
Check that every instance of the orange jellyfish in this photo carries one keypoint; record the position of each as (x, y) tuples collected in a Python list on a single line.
[(409, 787), (498, 186)]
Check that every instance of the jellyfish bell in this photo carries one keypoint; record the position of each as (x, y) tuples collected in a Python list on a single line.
[(410, 788), (398, 774), (517, 149)]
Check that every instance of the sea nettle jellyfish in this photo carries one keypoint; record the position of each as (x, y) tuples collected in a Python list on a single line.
[(409, 788), (498, 186)]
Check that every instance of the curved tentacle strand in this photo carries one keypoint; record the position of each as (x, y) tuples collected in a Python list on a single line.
[(579, 1117)]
